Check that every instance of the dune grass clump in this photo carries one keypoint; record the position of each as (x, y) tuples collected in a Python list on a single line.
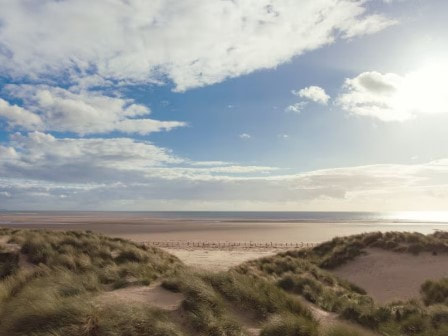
[(255, 295), (113, 260), (9, 263), (54, 293), (133, 320), (302, 272), (342, 331), (434, 292), (293, 273), (340, 250), (212, 301), (289, 325), (205, 310)]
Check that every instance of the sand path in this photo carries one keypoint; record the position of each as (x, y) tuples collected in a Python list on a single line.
[(155, 295), (218, 260), (387, 275)]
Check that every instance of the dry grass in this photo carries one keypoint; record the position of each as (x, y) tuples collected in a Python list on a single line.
[(303, 272), (57, 295)]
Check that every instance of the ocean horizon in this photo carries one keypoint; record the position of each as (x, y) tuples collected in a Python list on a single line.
[(421, 217)]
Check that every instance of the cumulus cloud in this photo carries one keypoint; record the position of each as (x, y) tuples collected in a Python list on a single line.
[(71, 52), (245, 136), (18, 116), (313, 93), (393, 97), (48, 108), (151, 41), (296, 108), (42, 156)]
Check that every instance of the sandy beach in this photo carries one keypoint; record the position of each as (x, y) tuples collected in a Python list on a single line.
[(207, 242), (146, 228)]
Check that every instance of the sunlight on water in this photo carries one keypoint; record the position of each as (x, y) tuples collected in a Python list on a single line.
[(422, 216)]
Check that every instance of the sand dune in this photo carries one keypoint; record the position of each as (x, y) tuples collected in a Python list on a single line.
[(387, 276)]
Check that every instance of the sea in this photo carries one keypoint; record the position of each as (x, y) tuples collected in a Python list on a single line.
[(256, 226), (439, 217)]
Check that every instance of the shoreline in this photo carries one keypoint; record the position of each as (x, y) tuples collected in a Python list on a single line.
[(226, 245), (210, 244)]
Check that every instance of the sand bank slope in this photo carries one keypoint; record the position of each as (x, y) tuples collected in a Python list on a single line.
[(155, 295), (387, 275)]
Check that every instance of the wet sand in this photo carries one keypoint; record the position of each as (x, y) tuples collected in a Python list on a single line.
[(145, 228), (209, 243)]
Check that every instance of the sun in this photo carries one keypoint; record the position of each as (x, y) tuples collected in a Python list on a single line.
[(423, 91)]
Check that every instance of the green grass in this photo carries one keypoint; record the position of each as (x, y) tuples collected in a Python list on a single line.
[(303, 272), (55, 295), (434, 292), (289, 325), (342, 331), (255, 295), (209, 296)]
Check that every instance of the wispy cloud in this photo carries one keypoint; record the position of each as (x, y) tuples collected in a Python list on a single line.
[(297, 107), (41, 171), (149, 41)]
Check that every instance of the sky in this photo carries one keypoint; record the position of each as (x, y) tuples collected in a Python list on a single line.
[(278, 105)]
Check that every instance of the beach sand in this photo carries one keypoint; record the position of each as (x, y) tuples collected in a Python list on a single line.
[(256, 238), (219, 259), (143, 227), (388, 276)]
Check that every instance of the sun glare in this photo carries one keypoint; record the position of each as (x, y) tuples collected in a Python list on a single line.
[(423, 91), (423, 216)]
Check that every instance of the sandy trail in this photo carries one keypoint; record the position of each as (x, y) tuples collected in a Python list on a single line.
[(387, 276), (155, 295), (218, 260)]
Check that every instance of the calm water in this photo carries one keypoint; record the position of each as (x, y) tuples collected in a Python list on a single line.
[(290, 216)]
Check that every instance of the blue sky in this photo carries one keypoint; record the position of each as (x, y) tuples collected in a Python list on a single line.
[(212, 105)]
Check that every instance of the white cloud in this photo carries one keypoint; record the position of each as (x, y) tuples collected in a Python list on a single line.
[(210, 163), (393, 97), (372, 24), (41, 171), (313, 93), (50, 173), (37, 152), (18, 116), (95, 160), (296, 108), (245, 136), (48, 108), (149, 41)]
